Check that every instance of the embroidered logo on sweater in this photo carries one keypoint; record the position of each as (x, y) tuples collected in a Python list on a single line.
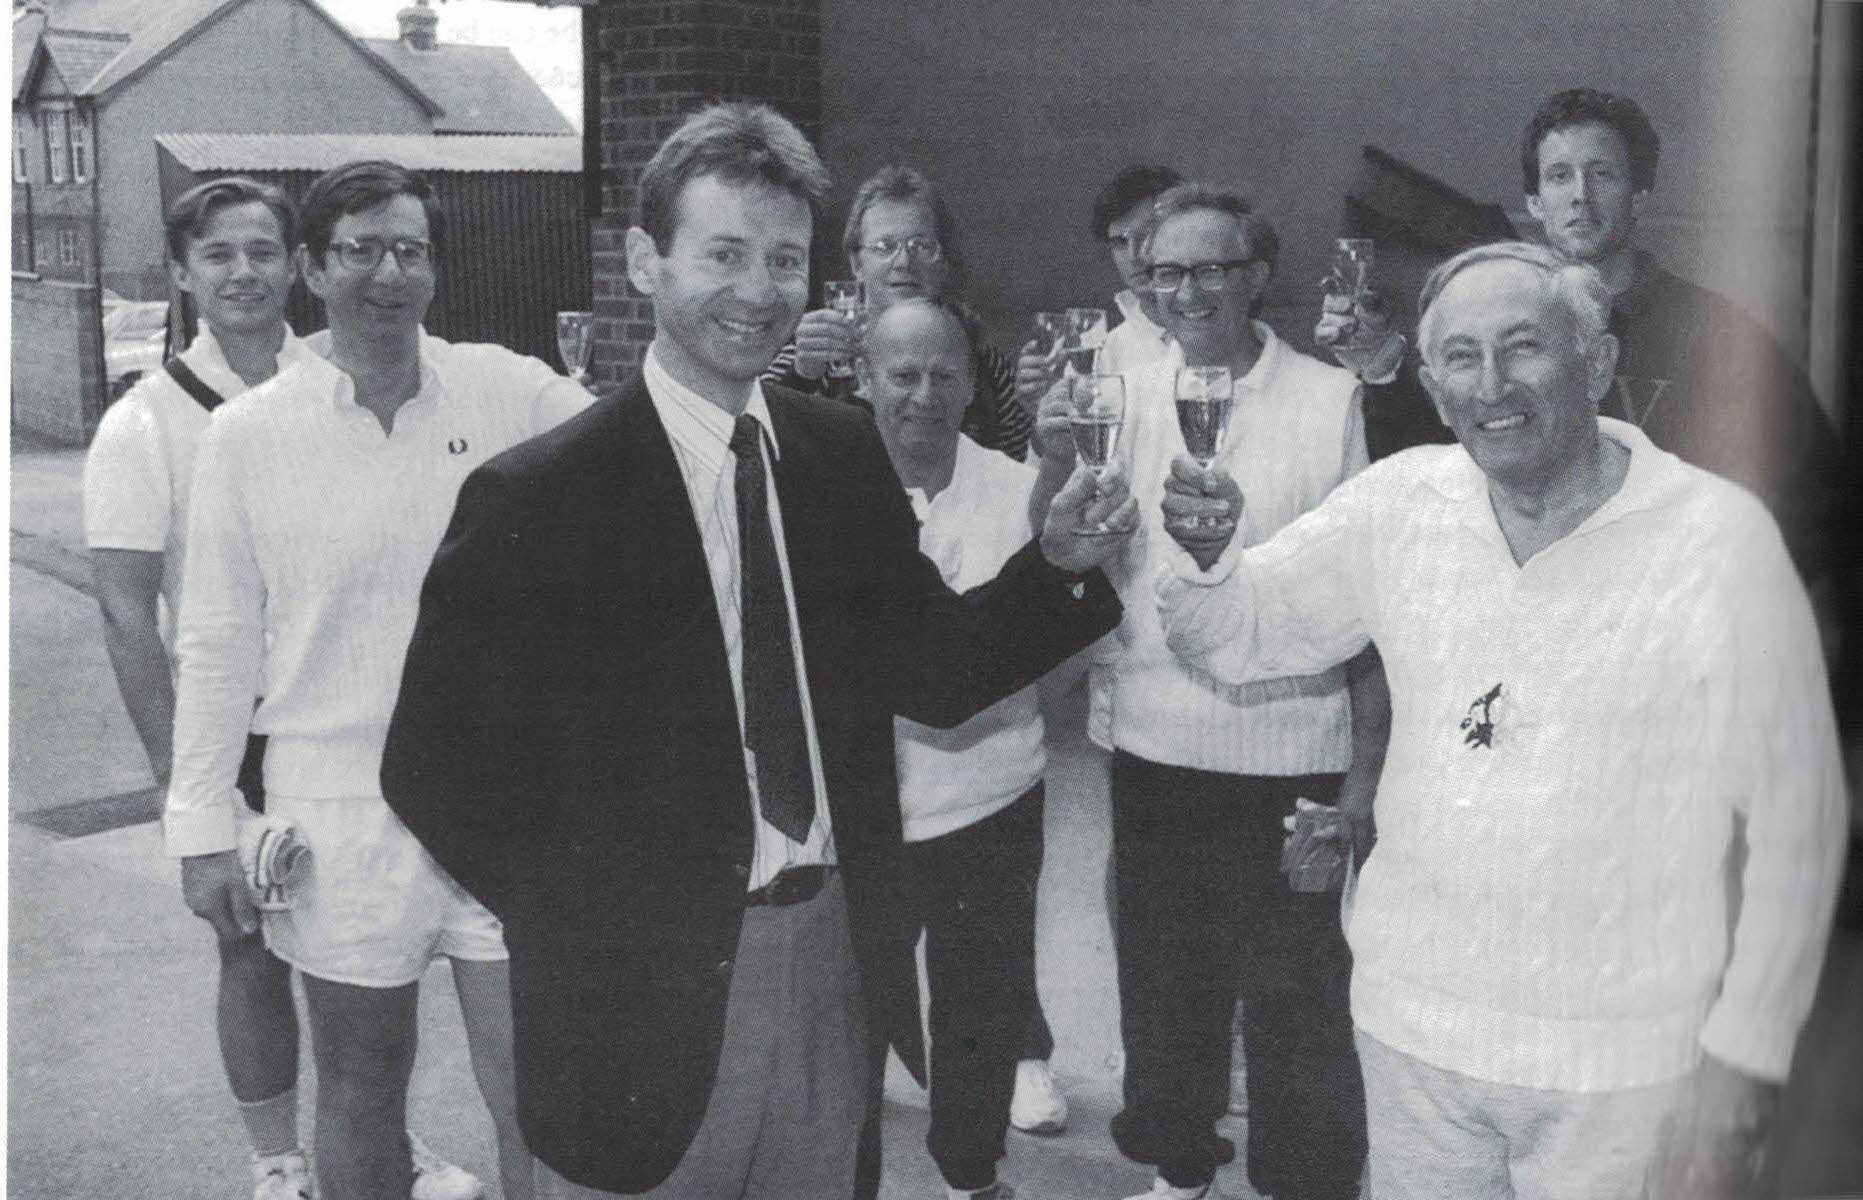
[(1478, 725), (456, 445)]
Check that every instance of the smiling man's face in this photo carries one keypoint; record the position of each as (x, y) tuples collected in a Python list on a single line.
[(389, 301), (729, 289), (1209, 325), (1509, 377)]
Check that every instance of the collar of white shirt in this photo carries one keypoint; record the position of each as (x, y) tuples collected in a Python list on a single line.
[(695, 424), (1132, 310), (207, 359), (1648, 482)]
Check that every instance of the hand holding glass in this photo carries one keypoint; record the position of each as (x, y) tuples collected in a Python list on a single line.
[(1097, 412), (843, 296), (575, 339)]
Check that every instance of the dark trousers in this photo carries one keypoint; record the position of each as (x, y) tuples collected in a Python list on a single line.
[(1204, 913), (973, 893)]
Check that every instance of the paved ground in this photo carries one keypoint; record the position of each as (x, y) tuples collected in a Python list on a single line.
[(113, 1083)]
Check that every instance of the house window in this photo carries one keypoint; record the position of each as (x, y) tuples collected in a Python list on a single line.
[(22, 143), (80, 139), (56, 150), (67, 247)]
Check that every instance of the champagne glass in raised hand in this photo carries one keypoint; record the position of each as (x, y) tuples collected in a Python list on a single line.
[(575, 339), (843, 296), (1205, 396), (1096, 415)]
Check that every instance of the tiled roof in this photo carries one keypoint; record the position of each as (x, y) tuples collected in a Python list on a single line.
[(83, 57), (153, 28), (152, 25), (483, 89), (419, 152), (26, 29)]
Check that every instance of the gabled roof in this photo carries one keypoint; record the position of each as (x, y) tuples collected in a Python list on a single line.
[(154, 29), (82, 57), (483, 89), (420, 152), (26, 29)]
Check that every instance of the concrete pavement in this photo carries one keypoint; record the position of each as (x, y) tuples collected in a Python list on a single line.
[(114, 1087)]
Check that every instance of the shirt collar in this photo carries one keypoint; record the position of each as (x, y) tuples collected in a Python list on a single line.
[(1258, 375), (1130, 308), (343, 388), (694, 422), (207, 359), (1651, 477)]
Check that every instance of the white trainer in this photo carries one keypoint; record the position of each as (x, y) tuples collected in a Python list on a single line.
[(1037, 1106), (281, 1176), (1160, 1190), (437, 1179)]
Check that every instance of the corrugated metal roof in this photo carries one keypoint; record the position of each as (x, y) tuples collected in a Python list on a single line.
[(483, 89), (419, 152), (83, 57)]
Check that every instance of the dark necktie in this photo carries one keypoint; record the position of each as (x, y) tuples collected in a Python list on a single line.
[(772, 701)]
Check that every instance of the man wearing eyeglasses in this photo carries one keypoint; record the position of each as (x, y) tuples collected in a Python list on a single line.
[(1203, 774), (319, 498)]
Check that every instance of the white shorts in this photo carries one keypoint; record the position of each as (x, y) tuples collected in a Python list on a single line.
[(378, 910)]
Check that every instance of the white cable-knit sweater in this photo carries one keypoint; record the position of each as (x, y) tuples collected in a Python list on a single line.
[(309, 533), (1547, 903)]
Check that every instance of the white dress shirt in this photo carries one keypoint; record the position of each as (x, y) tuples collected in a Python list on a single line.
[(701, 435)]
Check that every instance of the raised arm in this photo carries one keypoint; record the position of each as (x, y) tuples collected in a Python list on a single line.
[(1295, 605)]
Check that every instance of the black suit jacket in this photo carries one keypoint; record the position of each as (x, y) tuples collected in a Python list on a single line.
[(566, 745)]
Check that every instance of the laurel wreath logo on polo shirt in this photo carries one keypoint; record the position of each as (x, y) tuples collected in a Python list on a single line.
[(1478, 725), (456, 445)]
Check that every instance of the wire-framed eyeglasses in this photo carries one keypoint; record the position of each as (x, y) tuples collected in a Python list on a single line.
[(920, 249)]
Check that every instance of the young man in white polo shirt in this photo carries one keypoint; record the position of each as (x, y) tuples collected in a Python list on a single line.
[(319, 500), (229, 246)]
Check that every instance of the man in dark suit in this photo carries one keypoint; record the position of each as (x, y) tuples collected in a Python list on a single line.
[(647, 712)]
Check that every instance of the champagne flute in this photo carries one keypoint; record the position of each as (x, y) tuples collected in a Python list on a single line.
[(1050, 330), (1097, 411), (1353, 259), (575, 340), (1205, 397), (1080, 345), (844, 297)]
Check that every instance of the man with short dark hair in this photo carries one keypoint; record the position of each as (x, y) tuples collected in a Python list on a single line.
[(648, 712), (1119, 213), (229, 249), (318, 499), (1606, 685)]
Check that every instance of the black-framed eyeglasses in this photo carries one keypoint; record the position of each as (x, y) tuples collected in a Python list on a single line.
[(365, 254), (1210, 276), (920, 249)]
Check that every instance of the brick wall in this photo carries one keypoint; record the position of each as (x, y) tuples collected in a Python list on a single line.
[(656, 63), (57, 383)]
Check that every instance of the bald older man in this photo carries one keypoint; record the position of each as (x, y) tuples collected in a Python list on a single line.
[(971, 797), (1604, 677)]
